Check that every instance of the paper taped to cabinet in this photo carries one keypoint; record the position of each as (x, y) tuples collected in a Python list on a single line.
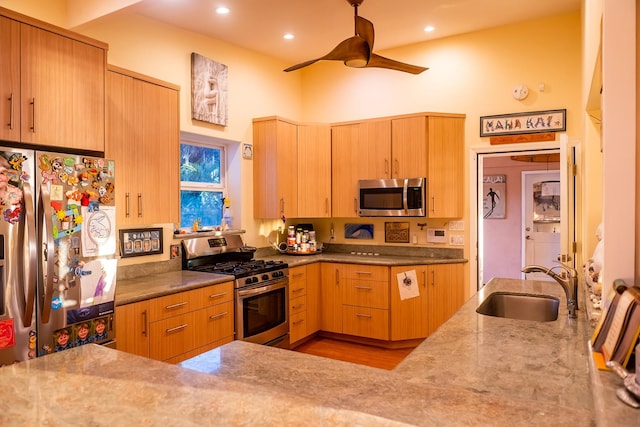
[(408, 285)]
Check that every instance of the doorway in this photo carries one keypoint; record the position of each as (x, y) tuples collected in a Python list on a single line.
[(483, 231), (540, 220)]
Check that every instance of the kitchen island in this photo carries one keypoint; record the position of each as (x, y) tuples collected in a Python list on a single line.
[(474, 370)]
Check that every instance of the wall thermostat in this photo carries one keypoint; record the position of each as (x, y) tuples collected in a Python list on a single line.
[(436, 235)]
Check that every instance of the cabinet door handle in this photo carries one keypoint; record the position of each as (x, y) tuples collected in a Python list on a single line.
[(217, 316), (297, 275), (355, 205), (424, 278), (297, 290), (386, 167), (282, 206), (365, 288), (367, 273), (10, 124), (368, 316), (139, 205), (337, 276), (433, 203), (33, 115), (297, 322), (144, 323), (214, 296), (127, 205), (396, 167), (295, 307), (172, 306), (433, 277), (176, 329)]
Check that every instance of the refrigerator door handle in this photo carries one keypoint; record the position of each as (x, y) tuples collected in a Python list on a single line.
[(49, 251), (27, 313)]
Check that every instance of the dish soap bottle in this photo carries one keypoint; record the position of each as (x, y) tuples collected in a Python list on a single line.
[(227, 219)]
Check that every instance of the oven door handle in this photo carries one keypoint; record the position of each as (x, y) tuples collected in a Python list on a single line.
[(243, 293)]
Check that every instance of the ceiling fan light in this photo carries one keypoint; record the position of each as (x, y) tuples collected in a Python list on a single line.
[(356, 62)]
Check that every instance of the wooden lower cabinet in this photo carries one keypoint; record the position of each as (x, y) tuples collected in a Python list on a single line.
[(303, 301), (441, 289), (132, 328), (177, 326), (355, 300)]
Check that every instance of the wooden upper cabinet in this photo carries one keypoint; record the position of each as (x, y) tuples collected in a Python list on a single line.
[(143, 121), (445, 167), (314, 171), (275, 172), (358, 151), (10, 80), (60, 98), (409, 147)]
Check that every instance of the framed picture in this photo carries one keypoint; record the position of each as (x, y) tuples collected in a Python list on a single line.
[(494, 198), (396, 232), (140, 242), (247, 151), (208, 90), (519, 123)]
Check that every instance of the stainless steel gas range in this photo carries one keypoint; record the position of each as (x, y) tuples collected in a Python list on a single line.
[(261, 295)]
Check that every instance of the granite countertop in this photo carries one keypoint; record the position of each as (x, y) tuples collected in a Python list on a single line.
[(160, 284), (474, 370)]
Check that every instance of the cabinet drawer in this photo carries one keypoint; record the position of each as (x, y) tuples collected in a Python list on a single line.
[(297, 281), (365, 322), (214, 323), (297, 326), (216, 294), (366, 293), (366, 272), (297, 305), (171, 337), (174, 305)]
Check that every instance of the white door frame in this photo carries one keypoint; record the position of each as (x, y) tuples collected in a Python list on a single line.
[(475, 188)]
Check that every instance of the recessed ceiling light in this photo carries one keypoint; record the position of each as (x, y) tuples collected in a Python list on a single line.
[(429, 28), (222, 10), (288, 36)]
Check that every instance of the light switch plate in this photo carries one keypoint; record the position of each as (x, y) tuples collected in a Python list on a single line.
[(456, 239)]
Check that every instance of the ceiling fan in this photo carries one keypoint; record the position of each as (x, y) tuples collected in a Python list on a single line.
[(357, 51)]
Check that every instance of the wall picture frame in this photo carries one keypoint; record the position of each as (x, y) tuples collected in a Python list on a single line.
[(140, 242), (247, 151), (494, 198), (524, 123), (209, 83), (396, 232)]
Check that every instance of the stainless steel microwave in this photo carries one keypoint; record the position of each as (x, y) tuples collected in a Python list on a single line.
[(392, 197)]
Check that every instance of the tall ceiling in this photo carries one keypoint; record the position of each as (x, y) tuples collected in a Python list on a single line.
[(319, 25)]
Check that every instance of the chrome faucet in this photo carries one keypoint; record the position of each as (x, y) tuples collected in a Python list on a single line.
[(568, 279)]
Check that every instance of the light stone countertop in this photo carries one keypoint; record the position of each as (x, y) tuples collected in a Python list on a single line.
[(475, 370)]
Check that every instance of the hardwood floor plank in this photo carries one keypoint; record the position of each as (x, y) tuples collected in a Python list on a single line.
[(362, 354)]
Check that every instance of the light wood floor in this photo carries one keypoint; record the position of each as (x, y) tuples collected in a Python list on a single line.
[(355, 353)]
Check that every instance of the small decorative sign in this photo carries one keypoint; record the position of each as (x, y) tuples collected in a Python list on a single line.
[(494, 199), (247, 151), (396, 232), (175, 251), (519, 123), (140, 242)]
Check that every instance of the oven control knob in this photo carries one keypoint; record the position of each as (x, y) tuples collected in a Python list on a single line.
[(248, 281), (265, 277)]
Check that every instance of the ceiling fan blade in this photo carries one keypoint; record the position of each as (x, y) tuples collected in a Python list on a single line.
[(353, 48), (364, 28), (382, 62)]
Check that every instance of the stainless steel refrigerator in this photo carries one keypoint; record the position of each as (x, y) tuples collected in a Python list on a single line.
[(57, 252)]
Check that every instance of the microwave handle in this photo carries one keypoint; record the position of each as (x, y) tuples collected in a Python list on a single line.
[(405, 203)]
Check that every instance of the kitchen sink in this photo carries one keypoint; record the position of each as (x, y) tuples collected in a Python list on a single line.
[(541, 308)]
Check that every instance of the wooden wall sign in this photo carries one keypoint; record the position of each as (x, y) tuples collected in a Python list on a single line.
[(516, 139)]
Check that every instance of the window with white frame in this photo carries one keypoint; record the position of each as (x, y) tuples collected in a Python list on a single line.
[(202, 183)]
